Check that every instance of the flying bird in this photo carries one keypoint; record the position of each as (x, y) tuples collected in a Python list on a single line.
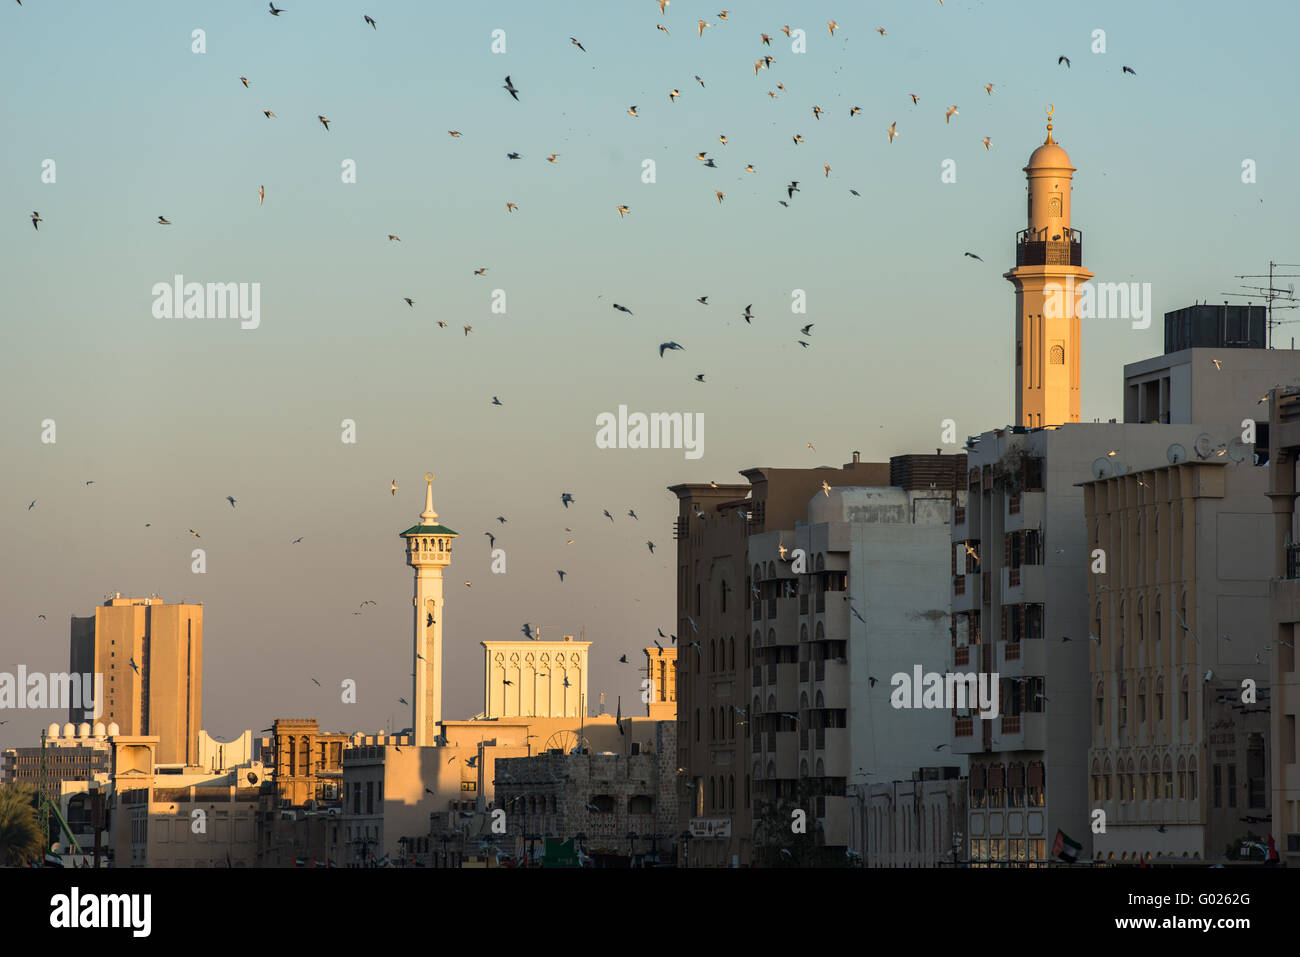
[(807, 330), (623, 309), (972, 256), (409, 301), (393, 487), (551, 158), (244, 80), (988, 88), (481, 270), (881, 31), (231, 500), (631, 110), (652, 547), (195, 534), (565, 499), (495, 400), (276, 11), (296, 540), (817, 112), (574, 41), (951, 112), (987, 142), (164, 221), (269, 114), (832, 25), (1063, 59), (453, 133), (261, 195), (511, 207), (1127, 69), (892, 131), (492, 540), (720, 194), (632, 514), (748, 314), (698, 80), (468, 329), (370, 20), (664, 29), (561, 573), (605, 511), (722, 138), (509, 87), (827, 168), (826, 489), (662, 4), (665, 346), (501, 519), (914, 97), (32, 506), (1218, 364), (622, 211), (673, 95), (323, 122), (703, 25), (134, 666), (811, 446), (36, 220), (797, 138), (854, 110)]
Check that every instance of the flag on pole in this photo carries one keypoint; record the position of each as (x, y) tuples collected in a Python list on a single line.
[(1272, 850), (1064, 848)]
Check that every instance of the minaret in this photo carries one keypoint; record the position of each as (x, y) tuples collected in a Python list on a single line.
[(1048, 275), (428, 551)]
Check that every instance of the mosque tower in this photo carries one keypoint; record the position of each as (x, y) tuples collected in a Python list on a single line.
[(1048, 278), (428, 551)]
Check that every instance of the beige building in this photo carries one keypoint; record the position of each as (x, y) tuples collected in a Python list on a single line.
[(1284, 630), (151, 656), (428, 552), (534, 679), (306, 763), (1048, 277), (1179, 624), (661, 692)]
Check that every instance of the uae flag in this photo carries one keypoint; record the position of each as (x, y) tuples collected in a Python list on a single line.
[(1065, 849)]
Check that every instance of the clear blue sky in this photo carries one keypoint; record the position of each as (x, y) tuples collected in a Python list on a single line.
[(170, 416)]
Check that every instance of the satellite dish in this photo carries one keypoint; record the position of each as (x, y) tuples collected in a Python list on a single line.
[(1204, 445), (1238, 450), (1101, 468), (1176, 454)]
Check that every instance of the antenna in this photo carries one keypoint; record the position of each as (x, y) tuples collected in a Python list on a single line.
[(1271, 293), (1204, 445)]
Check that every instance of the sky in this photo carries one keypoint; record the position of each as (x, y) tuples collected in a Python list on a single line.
[(168, 416)]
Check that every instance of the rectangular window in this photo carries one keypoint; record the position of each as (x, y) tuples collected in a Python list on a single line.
[(370, 797)]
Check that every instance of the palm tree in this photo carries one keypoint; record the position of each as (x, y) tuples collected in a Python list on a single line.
[(20, 832)]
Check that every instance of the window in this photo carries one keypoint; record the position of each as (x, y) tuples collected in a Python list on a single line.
[(1182, 779), (1187, 703), (1101, 705), (1160, 698), (1191, 780), (1169, 779), (1123, 704), (1142, 700)]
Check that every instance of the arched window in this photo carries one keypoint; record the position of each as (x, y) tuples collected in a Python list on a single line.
[(1106, 777), (1160, 698), (1144, 781), (1101, 704), (1187, 700), (1182, 778), (1168, 791), (1096, 780), (1192, 793)]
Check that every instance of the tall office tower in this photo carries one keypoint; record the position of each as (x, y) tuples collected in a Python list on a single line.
[(151, 656), (1048, 278), (428, 551)]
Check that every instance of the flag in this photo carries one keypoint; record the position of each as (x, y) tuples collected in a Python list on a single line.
[(619, 720), (1272, 850), (1064, 848)]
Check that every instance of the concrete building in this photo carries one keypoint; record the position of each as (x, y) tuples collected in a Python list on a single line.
[(1179, 625), (151, 656), (1214, 370), (715, 610), (852, 606), (428, 551), (616, 805), (217, 755), (916, 822), (306, 763), (1020, 609), (1048, 277), (1284, 631), (535, 679), (70, 754)]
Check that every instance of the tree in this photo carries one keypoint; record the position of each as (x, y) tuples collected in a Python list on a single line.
[(20, 831)]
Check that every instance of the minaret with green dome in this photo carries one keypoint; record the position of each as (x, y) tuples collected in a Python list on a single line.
[(428, 551)]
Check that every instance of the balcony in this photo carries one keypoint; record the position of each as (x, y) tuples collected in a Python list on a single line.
[(787, 686), (833, 682), (967, 599), (1037, 249), (785, 752), (1022, 511), (836, 618), (1022, 584), (834, 751)]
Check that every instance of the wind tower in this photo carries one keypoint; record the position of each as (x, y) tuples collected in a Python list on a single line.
[(428, 551), (1048, 275)]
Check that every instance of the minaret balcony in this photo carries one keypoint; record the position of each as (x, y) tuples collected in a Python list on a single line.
[(1035, 248)]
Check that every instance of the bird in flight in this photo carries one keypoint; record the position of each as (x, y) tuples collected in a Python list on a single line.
[(574, 41), (296, 540), (832, 26), (988, 141), (664, 29), (261, 195), (409, 301), (914, 97), (231, 500), (244, 80), (622, 210), (951, 112), (633, 514), (492, 540), (565, 499), (749, 168), (323, 122), (195, 534), (623, 309), (826, 489), (703, 300), (673, 95), (392, 488), (495, 400), (817, 112), (720, 194), (1128, 69), (276, 11), (481, 270), (972, 256), (1218, 364), (32, 506), (36, 220), (510, 207), (551, 158), (665, 346), (703, 25), (455, 133), (134, 666), (827, 167), (513, 156), (370, 20), (631, 110), (748, 314), (722, 138), (662, 4), (798, 138), (269, 114), (468, 329), (698, 80), (854, 110), (41, 617), (811, 446), (988, 88), (510, 88), (652, 547), (892, 131), (164, 221), (881, 31), (561, 573), (1063, 59), (501, 519)]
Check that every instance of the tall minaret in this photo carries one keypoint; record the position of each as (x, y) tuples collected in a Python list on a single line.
[(428, 551), (1048, 275)]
